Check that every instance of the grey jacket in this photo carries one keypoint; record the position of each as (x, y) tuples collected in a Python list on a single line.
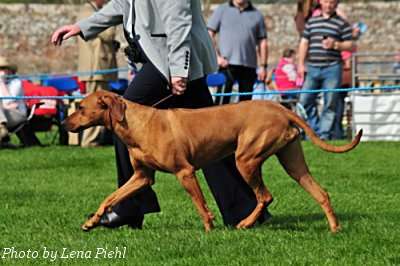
[(172, 33)]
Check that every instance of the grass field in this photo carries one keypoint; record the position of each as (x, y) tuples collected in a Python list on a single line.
[(46, 193)]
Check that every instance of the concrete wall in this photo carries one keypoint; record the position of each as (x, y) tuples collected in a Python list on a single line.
[(25, 32)]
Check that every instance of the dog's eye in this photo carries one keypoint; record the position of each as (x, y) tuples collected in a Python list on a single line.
[(80, 107)]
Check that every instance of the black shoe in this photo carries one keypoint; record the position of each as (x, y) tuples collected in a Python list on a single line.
[(7, 145), (113, 220), (264, 217)]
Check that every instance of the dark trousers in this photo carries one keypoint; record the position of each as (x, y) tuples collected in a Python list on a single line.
[(27, 136), (338, 132), (234, 197), (245, 76)]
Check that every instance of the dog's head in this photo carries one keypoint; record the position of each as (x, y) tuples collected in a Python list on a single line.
[(98, 108)]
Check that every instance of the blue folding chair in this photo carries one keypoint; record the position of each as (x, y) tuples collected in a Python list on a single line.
[(118, 86), (64, 84), (216, 79)]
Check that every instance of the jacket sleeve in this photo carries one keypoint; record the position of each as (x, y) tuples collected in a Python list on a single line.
[(177, 18), (110, 15)]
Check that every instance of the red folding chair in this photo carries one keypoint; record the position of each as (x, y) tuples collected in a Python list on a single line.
[(47, 114)]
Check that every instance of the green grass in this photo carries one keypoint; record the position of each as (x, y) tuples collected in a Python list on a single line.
[(45, 194)]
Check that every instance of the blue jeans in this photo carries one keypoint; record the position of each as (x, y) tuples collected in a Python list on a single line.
[(329, 77)]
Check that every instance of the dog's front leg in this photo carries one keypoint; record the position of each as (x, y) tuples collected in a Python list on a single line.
[(134, 184), (189, 181)]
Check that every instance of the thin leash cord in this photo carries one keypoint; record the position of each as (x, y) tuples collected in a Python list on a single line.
[(162, 100), (154, 105)]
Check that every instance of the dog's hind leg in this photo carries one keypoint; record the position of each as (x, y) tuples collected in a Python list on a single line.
[(251, 172), (292, 159), (250, 154), (189, 181)]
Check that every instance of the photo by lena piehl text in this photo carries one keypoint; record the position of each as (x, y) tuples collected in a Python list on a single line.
[(63, 253)]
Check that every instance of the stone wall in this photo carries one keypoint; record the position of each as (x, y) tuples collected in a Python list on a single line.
[(25, 32)]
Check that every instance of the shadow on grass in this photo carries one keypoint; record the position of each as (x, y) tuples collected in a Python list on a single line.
[(291, 222), (303, 221)]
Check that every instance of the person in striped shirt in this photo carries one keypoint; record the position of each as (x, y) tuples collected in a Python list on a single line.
[(324, 38)]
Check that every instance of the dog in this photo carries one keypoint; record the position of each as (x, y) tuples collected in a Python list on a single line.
[(180, 141)]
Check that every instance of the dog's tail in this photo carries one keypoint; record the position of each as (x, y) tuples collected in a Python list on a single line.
[(294, 118)]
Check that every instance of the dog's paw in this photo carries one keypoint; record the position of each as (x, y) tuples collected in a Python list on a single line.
[(244, 224), (208, 226), (336, 229), (89, 224), (85, 227)]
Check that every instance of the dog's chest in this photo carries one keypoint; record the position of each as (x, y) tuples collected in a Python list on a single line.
[(149, 160)]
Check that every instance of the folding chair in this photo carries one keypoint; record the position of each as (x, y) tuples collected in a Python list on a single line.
[(118, 86), (215, 82), (65, 85), (46, 115)]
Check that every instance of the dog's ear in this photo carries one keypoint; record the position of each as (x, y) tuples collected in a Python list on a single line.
[(115, 105), (102, 101)]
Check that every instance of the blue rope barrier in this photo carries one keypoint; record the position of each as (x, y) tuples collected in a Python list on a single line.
[(42, 76), (394, 87), (72, 97), (397, 87)]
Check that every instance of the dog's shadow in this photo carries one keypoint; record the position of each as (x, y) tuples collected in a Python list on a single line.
[(290, 222), (303, 222)]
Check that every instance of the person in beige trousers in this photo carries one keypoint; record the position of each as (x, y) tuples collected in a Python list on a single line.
[(94, 55)]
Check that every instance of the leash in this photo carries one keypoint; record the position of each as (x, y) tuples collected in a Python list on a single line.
[(162, 100), (154, 105)]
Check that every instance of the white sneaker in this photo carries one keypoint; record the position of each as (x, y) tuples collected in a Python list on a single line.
[(3, 131)]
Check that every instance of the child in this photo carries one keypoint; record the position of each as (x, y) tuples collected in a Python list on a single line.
[(286, 74)]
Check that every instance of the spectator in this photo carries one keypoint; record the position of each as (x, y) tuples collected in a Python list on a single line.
[(304, 11), (307, 9), (241, 30), (338, 132), (324, 37), (12, 112), (396, 65), (94, 55), (286, 74), (178, 56)]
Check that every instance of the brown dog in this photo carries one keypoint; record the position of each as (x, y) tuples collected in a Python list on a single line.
[(180, 141)]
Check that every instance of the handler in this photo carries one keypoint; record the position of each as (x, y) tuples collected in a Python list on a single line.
[(170, 38)]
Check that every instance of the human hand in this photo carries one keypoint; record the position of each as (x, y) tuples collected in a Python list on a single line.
[(2, 75), (356, 32), (222, 62), (262, 74), (178, 85), (64, 33), (328, 43), (301, 69)]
